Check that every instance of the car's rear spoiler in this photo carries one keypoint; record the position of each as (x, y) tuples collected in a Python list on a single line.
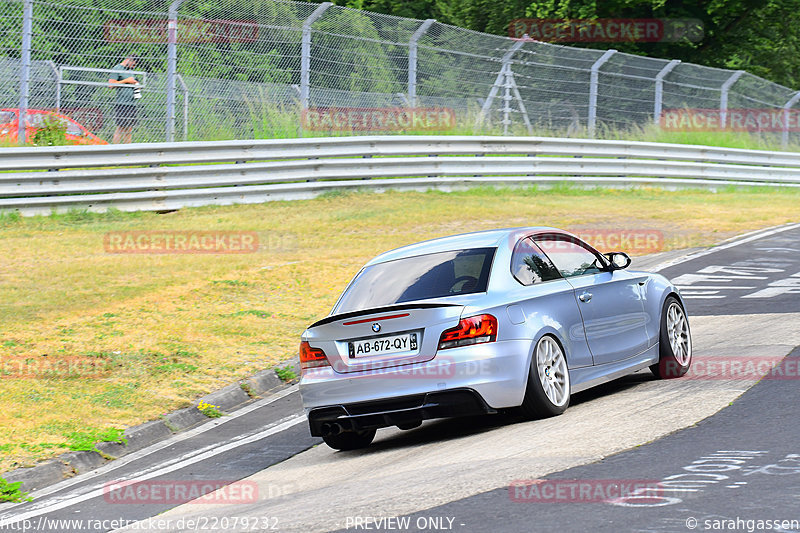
[(374, 310)]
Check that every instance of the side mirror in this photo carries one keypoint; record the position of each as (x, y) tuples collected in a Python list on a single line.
[(618, 260)]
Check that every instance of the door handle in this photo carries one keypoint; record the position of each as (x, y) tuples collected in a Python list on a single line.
[(585, 297)]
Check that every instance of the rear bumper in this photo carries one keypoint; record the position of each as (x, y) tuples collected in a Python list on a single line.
[(497, 371), (404, 410)]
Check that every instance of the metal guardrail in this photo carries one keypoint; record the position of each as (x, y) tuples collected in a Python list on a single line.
[(166, 176)]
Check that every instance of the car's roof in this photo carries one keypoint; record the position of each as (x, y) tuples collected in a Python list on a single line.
[(16, 110), (479, 239), (38, 112)]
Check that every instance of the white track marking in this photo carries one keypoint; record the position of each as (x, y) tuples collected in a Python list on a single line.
[(158, 446), (97, 491), (741, 239)]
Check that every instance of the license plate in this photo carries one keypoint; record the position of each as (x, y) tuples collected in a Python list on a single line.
[(383, 345)]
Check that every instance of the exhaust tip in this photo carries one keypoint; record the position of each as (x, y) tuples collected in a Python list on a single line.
[(331, 428)]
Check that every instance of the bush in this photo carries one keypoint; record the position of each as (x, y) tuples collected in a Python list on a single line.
[(52, 133), (9, 492)]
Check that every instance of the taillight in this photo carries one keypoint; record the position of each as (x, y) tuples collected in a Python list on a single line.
[(473, 330), (311, 357)]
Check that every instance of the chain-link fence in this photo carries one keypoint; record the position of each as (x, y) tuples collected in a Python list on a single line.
[(236, 69)]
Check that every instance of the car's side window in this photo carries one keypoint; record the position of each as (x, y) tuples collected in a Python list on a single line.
[(41, 120), (72, 127), (35, 120), (529, 265), (570, 258)]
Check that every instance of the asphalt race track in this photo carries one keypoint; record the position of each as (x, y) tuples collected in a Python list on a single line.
[(737, 467), (760, 276), (736, 436)]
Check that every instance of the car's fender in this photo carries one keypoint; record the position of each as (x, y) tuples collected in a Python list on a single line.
[(656, 290)]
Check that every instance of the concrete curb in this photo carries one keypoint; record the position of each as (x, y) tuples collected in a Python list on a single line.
[(138, 437)]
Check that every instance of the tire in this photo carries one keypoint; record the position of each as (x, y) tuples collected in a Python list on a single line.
[(674, 342), (547, 392), (350, 440)]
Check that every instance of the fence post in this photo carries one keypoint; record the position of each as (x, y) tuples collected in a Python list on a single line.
[(305, 53), (172, 66), (185, 90), (723, 97), (57, 80), (522, 109), (507, 99), (593, 86), (501, 79), (659, 98), (25, 68), (786, 107), (412, 60)]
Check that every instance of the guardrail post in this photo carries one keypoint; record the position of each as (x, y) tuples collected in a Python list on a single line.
[(500, 81), (593, 89), (305, 53), (723, 97), (25, 68), (786, 108), (659, 97), (412, 60), (172, 66)]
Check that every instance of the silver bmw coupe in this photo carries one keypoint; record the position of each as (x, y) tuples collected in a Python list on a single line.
[(481, 322)]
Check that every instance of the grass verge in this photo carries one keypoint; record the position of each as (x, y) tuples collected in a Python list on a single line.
[(161, 330)]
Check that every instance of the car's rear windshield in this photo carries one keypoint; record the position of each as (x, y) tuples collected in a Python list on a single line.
[(418, 278), (7, 116)]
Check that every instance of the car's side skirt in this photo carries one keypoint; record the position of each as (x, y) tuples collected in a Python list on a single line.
[(590, 376)]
